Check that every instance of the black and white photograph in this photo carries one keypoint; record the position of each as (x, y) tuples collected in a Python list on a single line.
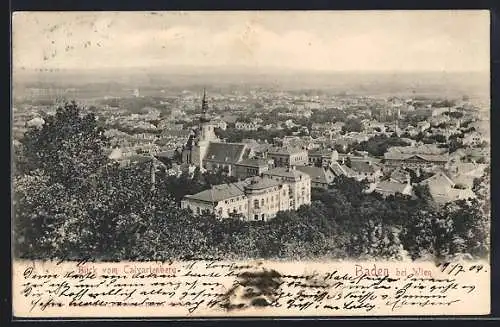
[(325, 136)]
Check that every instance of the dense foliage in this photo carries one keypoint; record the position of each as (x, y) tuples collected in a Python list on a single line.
[(352, 125), (72, 202), (378, 144)]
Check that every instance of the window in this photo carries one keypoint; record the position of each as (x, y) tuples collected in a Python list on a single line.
[(263, 216), (256, 204), (262, 202), (198, 210), (256, 217)]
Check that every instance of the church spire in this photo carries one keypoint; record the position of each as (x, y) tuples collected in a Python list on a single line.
[(204, 107)]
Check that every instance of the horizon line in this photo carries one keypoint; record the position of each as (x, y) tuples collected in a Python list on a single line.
[(227, 69)]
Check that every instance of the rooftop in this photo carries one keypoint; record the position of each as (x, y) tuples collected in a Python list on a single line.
[(258, 183), (441, 178), (317, 174), (285, 150), (219, 193), (286, 172), (399, 175), (253, 163), (323, 152), (391, 187), (406, 156), (225, 152)]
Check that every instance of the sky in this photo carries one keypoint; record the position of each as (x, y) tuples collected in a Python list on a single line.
[(396, 41)]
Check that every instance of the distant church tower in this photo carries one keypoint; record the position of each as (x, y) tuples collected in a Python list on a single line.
[(206, 129), (198, 143)]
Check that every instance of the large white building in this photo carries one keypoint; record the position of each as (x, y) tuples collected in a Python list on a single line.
[(255, 198), (299, 183)]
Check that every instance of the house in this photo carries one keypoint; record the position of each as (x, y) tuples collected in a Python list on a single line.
[(365, 169), (320, 177), (399, 175), (443, 189), (472, 139), (259, 150), (251, 167), (414, 161), (438, 120), (222, 200), (464, 173), (288, 156), (387, 188), (322, 158), (342, 170), (246, 126)]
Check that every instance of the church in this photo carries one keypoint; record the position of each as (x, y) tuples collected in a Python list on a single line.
[(262, 190), (205, 150)]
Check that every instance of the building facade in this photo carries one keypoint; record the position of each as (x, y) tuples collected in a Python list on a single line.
[(299, 184), (322, 158), (414, 161), (287, 157), (255, 198)]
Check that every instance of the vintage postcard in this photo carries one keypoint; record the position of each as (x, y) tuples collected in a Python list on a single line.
[(273, 163)]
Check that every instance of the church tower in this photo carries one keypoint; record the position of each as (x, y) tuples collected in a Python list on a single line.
[(206, 129), (198, 144)]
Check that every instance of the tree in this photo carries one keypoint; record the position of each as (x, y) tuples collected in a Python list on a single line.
[(40, 222), (69, 147), (481, 187), (471, 226), (378, 144), (352, 125)]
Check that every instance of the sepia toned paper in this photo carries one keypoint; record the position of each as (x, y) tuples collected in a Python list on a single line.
[(217, 288), (159, 82)]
